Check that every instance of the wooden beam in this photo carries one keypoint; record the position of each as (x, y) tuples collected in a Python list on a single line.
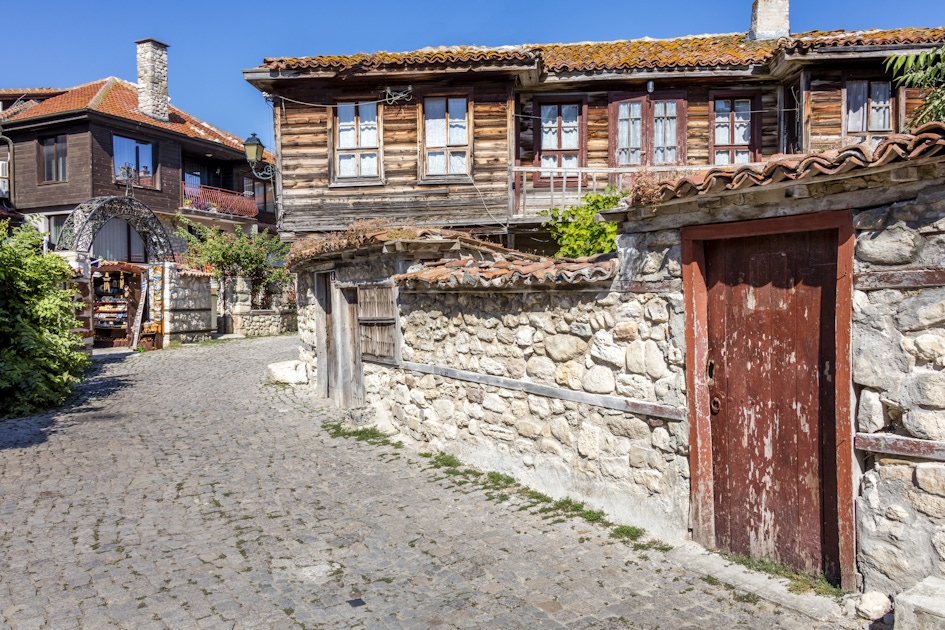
[(618, 403), (899, 279), (901, 445)]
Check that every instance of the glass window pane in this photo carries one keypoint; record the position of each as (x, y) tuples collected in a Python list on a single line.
[(347, 136), (457, 162), (569, 115), (569, 138), (670, 108), (368, 124), (658, 132), (145, 165), (723, 132), (623, 157), (623, 132), (369, 165), (62, 162), (742, 156), (636, 132), (436, 163), (856, 105), (548, 161), (742, 121), (723, 109), (345, 113), (347, 165), (569, 161), (49, 160), (659, 108), (434, 111), (457, 121), (636, 156), (723, 158), (623, 110), (549, 126), (880, 101)]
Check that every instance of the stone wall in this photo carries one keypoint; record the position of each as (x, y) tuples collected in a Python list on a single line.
[(187, 308), (237, 315), (899, 376), (602, 343)]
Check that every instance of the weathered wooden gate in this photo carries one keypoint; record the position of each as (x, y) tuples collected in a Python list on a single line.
[(768, 472)]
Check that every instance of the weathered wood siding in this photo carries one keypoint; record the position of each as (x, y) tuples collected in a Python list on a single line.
[(825, 111), (34, 194), (312, 203)]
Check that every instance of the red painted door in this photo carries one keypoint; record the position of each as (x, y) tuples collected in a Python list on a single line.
[(770, 375)]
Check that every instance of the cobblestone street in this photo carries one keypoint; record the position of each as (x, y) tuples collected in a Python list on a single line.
[(179, 489)]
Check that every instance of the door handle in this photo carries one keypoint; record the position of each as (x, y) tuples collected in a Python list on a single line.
[(715, 405)]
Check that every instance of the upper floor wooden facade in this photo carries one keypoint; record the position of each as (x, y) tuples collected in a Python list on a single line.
[(489, 138)]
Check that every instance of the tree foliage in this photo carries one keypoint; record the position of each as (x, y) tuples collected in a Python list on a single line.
[(40, 355), (924, 70), (575, 229), (255, 257)]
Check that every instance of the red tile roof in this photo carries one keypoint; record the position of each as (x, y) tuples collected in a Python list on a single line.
[(927, 141), (470, 273), (733, 49), (120, 98)]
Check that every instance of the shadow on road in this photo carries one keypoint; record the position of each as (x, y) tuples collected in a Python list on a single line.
[(85, 405)]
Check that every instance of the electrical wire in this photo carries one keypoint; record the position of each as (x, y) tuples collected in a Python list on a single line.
[(390, 97)]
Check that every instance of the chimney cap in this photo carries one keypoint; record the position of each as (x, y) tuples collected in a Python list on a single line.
[(151, 39)]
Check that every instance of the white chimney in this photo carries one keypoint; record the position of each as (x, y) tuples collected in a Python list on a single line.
[(152, 78), (770, 19)]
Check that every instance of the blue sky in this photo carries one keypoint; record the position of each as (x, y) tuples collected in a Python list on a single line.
[(64, 43)]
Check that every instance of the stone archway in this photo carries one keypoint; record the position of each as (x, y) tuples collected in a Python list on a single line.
[(88, 217)]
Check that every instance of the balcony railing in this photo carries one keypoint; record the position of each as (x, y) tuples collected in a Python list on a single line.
[(210, 199), (536, 189)]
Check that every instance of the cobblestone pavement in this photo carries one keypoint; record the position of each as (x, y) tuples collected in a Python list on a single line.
[(181, 490)]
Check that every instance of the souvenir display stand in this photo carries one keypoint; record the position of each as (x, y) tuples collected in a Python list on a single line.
[(117, 298)]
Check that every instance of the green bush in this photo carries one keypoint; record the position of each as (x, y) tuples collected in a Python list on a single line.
[(40, 357), (228, 255), (578, 233)]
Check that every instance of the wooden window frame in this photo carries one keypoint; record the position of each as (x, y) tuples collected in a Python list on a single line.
[(58, 140), (155, 163), (388, 320), (754, 142), (700, 431), (538, 180), (894, 101), (335, 180), (648, 99), (423, 178)]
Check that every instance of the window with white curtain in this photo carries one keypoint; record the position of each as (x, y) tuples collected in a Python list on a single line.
[(446, 136), (560, 137), (648, 129), (134, 159), (735, 135), (869, 111), (357, 141)]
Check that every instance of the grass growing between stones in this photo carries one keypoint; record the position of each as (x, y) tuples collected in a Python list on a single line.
[(797, 582), (499, 487)]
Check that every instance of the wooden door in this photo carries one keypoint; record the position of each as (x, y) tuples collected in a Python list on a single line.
[(770, 375)]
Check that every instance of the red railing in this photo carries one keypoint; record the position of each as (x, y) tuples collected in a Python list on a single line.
[(210, 199)]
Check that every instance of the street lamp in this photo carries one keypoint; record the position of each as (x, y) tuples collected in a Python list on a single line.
[(254, 154)]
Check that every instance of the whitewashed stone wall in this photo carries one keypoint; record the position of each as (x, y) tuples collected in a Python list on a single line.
[(601, 342), (187, 308), (899, 374)]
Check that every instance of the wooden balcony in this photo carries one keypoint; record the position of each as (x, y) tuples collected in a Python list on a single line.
[(534, 190), (219, 200)]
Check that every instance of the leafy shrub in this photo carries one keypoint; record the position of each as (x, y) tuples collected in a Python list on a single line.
[(576, 231), (227, 255), (40, 357)]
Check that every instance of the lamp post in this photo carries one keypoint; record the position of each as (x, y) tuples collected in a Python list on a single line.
[(254, 149)]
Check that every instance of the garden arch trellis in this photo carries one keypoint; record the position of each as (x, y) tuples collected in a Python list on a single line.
[(88, 218)]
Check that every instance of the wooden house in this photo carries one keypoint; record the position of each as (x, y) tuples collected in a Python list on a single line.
[(99, 138), (488, 139)]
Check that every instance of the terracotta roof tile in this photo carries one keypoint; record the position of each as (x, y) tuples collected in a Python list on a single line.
[(927, 141), (120, 98), (508, 273), (732, 49)]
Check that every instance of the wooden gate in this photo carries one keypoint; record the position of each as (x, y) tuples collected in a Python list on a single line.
[(766, 409)]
